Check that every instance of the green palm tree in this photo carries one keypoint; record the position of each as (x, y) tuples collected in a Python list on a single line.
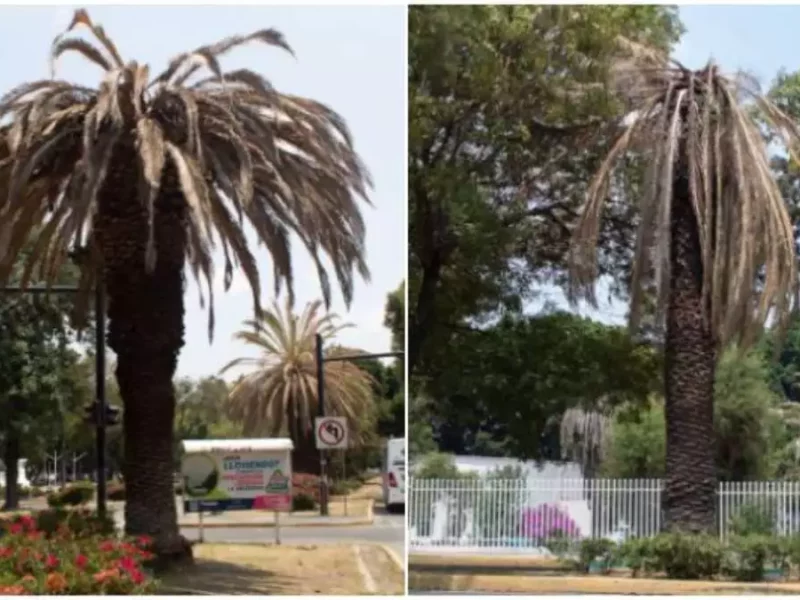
[(714, 239), (148, 176), (279, 394)]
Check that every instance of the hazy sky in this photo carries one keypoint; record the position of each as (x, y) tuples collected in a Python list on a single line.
[(350, 58), (748, 38)]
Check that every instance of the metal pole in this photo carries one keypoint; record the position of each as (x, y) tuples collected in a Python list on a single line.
[(323, 482), (100, 382)]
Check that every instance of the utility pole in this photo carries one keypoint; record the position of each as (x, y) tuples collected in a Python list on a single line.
[(321, 360)]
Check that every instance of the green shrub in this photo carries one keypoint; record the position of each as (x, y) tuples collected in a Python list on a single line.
[(596, 549), (638, 554), (753, 519), (116, 492), (559, 543), (688, 555), (746, 557), (74, 495), (302, 502), (342, 487)]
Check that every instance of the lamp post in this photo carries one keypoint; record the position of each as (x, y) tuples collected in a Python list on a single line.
[(321, 360)]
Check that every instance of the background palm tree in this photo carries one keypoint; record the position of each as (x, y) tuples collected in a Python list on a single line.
[(148, 175), (714, 237), (280, 393)]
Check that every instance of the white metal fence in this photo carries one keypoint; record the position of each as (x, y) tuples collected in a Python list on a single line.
[(528, 514)]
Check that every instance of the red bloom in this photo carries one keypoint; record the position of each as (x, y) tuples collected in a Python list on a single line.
[(15, 528), (5, 552), (12, 590), (52, 561), (27, 522), (144, 541), (126, 563), (81, 561), (136, 576), (108, 546)]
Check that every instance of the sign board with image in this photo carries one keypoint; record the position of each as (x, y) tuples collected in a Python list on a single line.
[(237, 475)]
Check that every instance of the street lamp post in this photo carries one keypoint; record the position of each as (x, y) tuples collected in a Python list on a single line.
[(321, 360)]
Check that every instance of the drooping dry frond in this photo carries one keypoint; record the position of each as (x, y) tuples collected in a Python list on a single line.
[(582, 435), (746, 235), (242, 151), (284, 376)]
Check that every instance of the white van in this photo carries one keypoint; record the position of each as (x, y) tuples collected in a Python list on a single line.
[(394, 475)]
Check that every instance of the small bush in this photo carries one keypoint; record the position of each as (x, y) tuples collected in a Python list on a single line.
[(116, 492), (73, 495), (598, 549), (688, 555), (638, 555), (560, 544), (306, 484), (342, 487), (746, 557), (302, 502), (753, 519)]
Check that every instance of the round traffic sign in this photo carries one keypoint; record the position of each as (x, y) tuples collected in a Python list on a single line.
[(330, 432)]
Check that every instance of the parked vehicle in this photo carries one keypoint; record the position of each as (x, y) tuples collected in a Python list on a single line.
[(394, 475)]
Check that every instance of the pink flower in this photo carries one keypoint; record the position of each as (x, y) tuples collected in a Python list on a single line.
[(81, 561), (52, 561)]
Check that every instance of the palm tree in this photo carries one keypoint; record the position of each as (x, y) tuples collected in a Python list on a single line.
[(714, 238), (146, 176), (280, 393)]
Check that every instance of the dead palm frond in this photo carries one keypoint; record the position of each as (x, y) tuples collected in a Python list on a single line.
[(240, 150), (699, 125), (284, 377), (583, 436)]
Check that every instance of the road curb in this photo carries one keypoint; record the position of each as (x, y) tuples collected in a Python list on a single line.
[(398, 562), (368, 520)]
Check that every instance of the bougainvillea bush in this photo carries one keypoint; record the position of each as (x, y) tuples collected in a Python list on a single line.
[(71, 559), (547, 521)]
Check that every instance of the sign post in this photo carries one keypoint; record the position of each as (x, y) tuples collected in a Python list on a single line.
[(221, 475)]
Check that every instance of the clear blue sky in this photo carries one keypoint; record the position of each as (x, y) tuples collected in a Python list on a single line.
[(755, 39), (350, 58)]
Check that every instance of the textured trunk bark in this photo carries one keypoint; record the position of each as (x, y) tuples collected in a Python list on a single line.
[(11, 461), (689, 500), (145, 331)]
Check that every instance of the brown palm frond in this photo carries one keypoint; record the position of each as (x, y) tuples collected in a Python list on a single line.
[(284, 376), (746, 235), (240, 150)]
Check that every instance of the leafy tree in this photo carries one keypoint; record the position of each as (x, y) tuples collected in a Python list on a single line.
[(153, 171), (507, 386), (749, 435), (503, 101), (280, 393), (698, 244)]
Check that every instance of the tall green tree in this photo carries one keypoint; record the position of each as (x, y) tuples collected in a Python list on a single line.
[(712, 221), (506, 122), (147, 175)]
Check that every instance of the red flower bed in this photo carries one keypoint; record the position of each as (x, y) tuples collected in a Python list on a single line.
[(33, 561)]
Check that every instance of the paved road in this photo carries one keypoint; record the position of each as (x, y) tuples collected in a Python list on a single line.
[(386, 529)]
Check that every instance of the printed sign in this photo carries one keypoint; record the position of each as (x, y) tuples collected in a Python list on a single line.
[(222, 479), (331, 433)]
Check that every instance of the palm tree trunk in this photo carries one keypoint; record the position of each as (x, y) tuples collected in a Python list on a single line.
[(145, 313), (690, 361)]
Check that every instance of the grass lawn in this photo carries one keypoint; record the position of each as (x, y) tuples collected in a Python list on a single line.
[(254, 569)]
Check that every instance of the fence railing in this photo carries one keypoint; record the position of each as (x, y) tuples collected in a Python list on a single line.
[(533, 514)]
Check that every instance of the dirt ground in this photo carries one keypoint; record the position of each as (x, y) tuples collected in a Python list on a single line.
[(585, 584), (254, 569)]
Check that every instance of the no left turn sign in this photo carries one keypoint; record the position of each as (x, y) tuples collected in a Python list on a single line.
[(331, 433)]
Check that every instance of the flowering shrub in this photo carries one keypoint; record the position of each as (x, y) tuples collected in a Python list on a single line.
[(305, 484), (546, 521), (66, 561)]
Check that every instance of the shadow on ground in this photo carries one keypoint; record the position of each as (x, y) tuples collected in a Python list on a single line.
[(215, 578)]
